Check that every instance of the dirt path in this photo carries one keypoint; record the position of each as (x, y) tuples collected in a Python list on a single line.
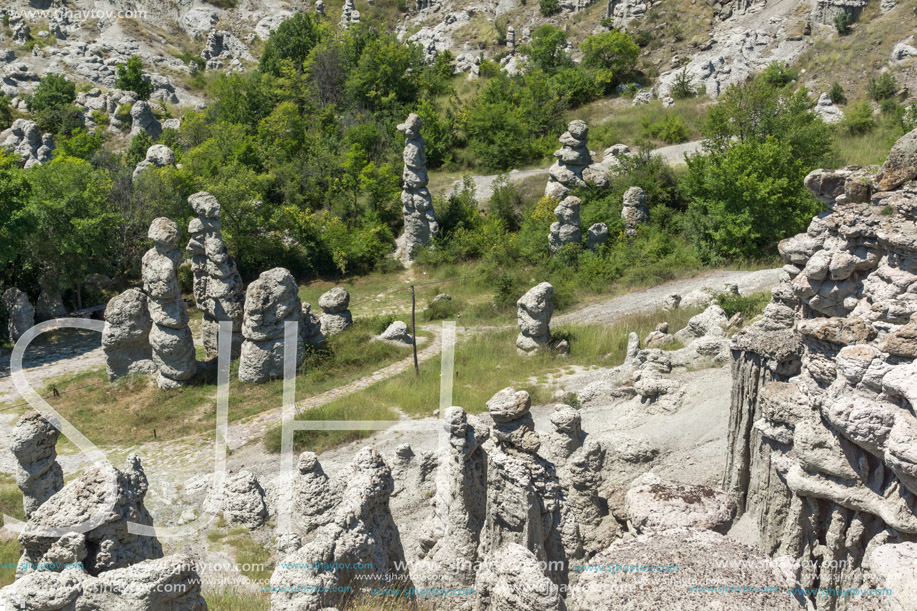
[(484, 185)]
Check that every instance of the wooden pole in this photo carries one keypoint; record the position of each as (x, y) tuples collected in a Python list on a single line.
[(414, 331)]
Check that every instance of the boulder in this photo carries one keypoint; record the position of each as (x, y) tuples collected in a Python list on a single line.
[(20, 313), (270, 302), (662, 506), (126, 336), (335, 316)]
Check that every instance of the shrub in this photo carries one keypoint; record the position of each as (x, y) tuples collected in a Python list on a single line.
[(858, 120), (612, 55), (883, 87), (842, 23), (681, 86), (505, 202), (443, 310), (578, 86), (6, 113), (836, 93), (549, 7), (81, 144), (746, 305), (132, 78), (546, 49), (291, 42), (777, 74), (670, 129)]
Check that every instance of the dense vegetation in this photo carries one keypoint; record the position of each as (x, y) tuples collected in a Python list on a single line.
[(304, 155)]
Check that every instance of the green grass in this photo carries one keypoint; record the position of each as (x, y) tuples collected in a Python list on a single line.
[(253, 557), (484, 364), (230, 600), (748, 305), (10, 504), (866, 149), (129, 410)]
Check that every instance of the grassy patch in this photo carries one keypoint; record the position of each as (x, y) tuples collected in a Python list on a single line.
[(748, 305), (129, 410), (254, 558), (618, 121), (230, 600), (484, 363), (10, 504)]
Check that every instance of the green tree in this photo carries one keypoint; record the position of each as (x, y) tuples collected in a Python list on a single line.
[(681, 86), (883, 87), (132, 78), (858, 119), (6, 113), (291, 42), (52, 105), (546, 49), (81, 144), (549, 7), (387, 75), (836, 93), (14, 225), (778, 74), (69, 210), (611, 55)]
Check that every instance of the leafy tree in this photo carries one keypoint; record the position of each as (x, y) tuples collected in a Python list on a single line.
[(546, 49), (52, 105), (747, 193), (132, 78), (6, 113), (291, 42), (387, 74), (68, 208), (136, 152), (81, 144), (612, 55), (14, 197), (836, 93), (549, 7), (577, 85), (883, 87)]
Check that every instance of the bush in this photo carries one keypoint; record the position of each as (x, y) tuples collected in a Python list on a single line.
[(777, 74), (6, 113), (81, 144), (681, 86), (132, 78), (578, 86), (505, 203), (746, 305), (291, 42), (842, 23), (858, 119), (546, 49), (670, 129), (836, 93), (883, 87), (549, 7), (611, 55), (443, 310), (51, 102)]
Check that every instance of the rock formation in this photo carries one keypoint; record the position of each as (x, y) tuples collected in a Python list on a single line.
[(622, 12), (335, 315), (349, 14), (21, 314), (525, 500), (270, 302), (827, 110), (143, 120), (566, 230), (243, 500), (397, 332), (38, 475), (126, 336), (417, 204), (224, 48), (170, 336), (822, 425), (49, 304), (218, 290), (597, 235), (313, 495), (634, 212), (574, 167), (826, 11), (534, 310), (157, 156), (515, 580), (311, 328), (24, 138), (107, 567), (663, 506), (361, 532)]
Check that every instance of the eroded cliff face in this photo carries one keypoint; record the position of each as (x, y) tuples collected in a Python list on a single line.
[(823, 434)]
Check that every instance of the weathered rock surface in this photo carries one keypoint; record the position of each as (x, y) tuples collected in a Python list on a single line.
[(336, 316), (574, 167), (534, 310), (683, 557), (24, 138), (420, 223), (397, 332), (270, 302), (243, 500), (143, 120), (126, 336), (38, 474), (224, 48), (157, 156), (20, 313), (360, 533), (596, 236), (218, 291), (49, 304), (822, 426), (566, 230), (634, 212), (314, 497), (663, 506), (170, 336), (827, 110)]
